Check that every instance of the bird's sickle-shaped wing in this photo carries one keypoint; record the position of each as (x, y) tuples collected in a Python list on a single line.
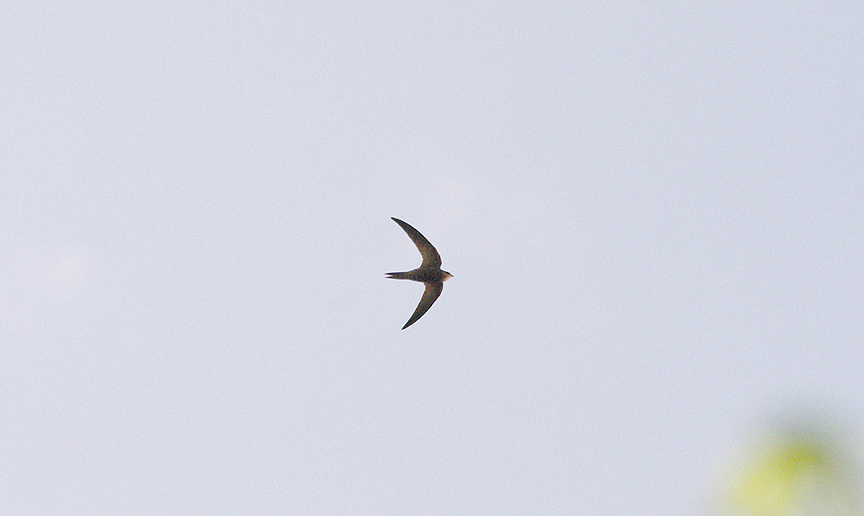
[(430, 256), (433, 290)]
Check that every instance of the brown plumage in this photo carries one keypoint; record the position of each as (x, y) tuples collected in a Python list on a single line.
[(429, 272)]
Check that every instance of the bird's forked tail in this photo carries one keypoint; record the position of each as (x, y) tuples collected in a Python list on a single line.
[(398, 275)]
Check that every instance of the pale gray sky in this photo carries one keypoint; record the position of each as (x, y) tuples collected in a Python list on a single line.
[(653, 213)]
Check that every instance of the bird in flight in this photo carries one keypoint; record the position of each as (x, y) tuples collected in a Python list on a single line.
[(429, 272)]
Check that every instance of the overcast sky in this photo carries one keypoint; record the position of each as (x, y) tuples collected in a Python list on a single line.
[(653, 213)]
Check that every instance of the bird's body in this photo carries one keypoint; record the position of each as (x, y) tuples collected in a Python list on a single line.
[(429, 272)]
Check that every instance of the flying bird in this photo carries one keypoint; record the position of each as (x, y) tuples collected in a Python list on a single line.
[(429, 272)]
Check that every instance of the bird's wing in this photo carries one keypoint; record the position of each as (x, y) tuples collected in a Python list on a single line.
[(430, 255), (433, 290)]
